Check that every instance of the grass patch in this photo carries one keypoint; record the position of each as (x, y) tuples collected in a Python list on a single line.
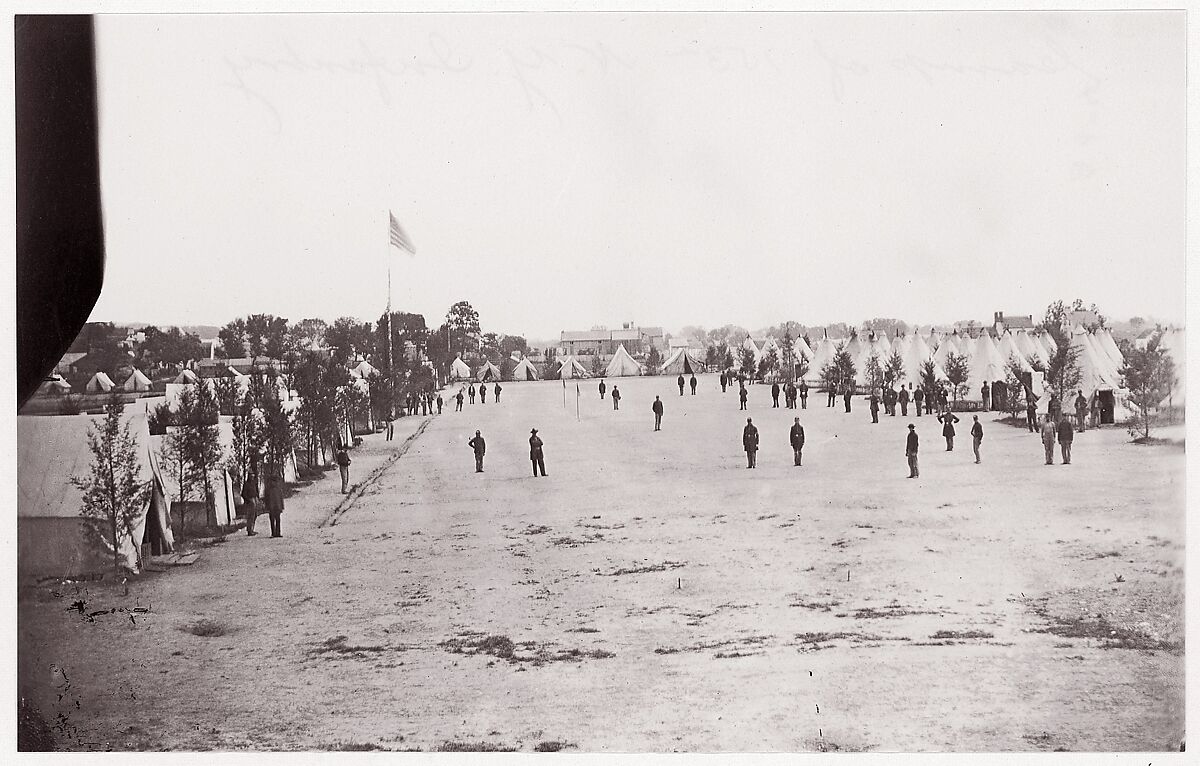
[(1109, 635), (352, 747), (553, 746), (338, 645), (643, 569), (583, 630), (452, 746), (961, 634), (504, 648), (207, 629), (891, 610), (535, 530), (1107, 555)]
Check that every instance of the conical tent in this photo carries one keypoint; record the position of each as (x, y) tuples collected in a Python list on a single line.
[(885, 345), (753, 348), (682, 362), (622, 364), (1104, 336), (1048, 342), (137, 381), (1110, 368), (984, 365), (1031, 348), (1093, 375), (525, 371), (186, 376), (822, 355), (487, 373), (459, 370), (1008, 350), (803, 349), (917, 354)]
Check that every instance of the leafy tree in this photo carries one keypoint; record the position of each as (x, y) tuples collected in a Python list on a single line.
[(278, 436), (195, 444), (550, 363), (1018, 391), (712, 356), (726, 357), (1149, 375), (730, 334), (882, 325), (507, 366), (318, 383), (381, 397), (233, 339), (893, 368), (406, 328), (489, 346), (462, 322), (694, 333), (653, 361), (511, 343), (348, 339), (267, 335), (957, 371), (598, 366), (929, 381), (801, 367), (769, 363), (838, 371), (307, 333), (228, 394), (247, 438), (874, 373), (788, 358), (172, 347), (113, 492), (746, 362)]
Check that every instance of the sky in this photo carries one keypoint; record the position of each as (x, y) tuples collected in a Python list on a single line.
[(564, 171)]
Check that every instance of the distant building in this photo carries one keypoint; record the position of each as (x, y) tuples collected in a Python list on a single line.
[(1083, 317), (1001, 322), (603, 342)]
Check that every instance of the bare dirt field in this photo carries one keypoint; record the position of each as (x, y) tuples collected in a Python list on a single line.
[(652, 594)]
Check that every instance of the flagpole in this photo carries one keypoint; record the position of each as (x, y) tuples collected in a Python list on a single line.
[(391, 354)]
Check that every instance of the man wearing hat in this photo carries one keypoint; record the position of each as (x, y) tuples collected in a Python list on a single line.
[(480, 447), (657, 408), (535, 452), (910, 450), (750, 442), (797, 439)]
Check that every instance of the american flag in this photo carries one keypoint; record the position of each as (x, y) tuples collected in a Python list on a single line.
[(397, 235)]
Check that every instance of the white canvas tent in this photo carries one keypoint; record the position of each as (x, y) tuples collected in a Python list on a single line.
[(487, 373), (984, 365), (1007, 349), (186, 376), (568, 367), (99, 383), (363, 369), (682, 362), (622, 364), (525, 371), (53, 385), (51, 537), (914, 357), (1031, 348), (459, 370), (1174, 342), (802, 349), (137, 381)]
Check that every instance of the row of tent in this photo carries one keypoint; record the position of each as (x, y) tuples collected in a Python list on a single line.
[(51, 450)]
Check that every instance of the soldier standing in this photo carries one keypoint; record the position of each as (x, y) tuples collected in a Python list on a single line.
[(439, 403), (918, 399), (483, 393), (497, 389), (1081, 409), (692, 383), (803, 390), (1066, 435), (680, 382), (903, 399), (948, 419), (471, 393), (1049, 431), (742, 396), (874, 407), (986, 394), (657, 408), (603, 388), (616, 398), (458, 401), (910, 451), (976, 437), (480, 447), (535, 449), (775, 395), (750, 442), (273, 499), (1031, 414), (846, 396), (797, 439)]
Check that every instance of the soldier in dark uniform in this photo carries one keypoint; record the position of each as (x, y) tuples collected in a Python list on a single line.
[(1066, 435), (724, 382), (680, 382), (986, 393), (775, 395), (750, 442), (918, 399), (535, 450), (797, 439), (439, 403), (1081, 410), (657, 408), (273, 499), (616, 398), (471, 393), (976, 437), (742, 394), (803, 391), (692, 383), (603, 388), (903, 397), (497, 389), (1031, 414), (250, 499), (910, 451), (483, 393), (846, 394), (458, 401), (480, 447), (948, 419), (874, 407), (831, 392)]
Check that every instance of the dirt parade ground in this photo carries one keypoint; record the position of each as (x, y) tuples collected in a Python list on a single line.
[(653, 594)]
